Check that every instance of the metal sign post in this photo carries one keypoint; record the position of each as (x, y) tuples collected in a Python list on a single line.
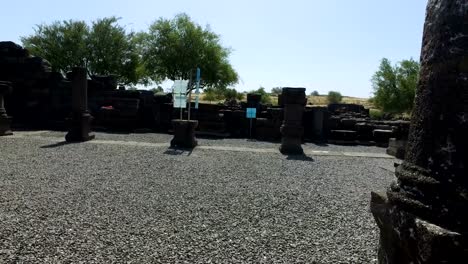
[(180, 95), (251, 114)]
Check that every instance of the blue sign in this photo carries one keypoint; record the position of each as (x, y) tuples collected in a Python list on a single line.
[(251, 112), (198, 74)]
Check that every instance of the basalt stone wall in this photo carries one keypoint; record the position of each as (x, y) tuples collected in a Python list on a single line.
[(43, 98), (30, 78)]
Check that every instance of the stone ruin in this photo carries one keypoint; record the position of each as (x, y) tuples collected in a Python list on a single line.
[(349, 123), (294, 100), (80, 121), (42, 98), (423, 216), (5, 130)]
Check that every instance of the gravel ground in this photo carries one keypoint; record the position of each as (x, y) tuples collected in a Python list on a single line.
[(108, 203), (164, 138)]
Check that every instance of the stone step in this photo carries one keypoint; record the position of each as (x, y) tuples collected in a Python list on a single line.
[(343, 134)]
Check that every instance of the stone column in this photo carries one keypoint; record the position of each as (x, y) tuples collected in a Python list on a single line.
[(253, 100), (318, 119), (294, 101), (5, 88), (80, 127), (423, 217)]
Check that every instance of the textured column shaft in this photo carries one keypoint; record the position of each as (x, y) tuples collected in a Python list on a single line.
[(423, 216), (435, 171), (80, 125)]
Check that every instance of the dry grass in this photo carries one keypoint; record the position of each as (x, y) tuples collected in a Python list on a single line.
[(320, 100)]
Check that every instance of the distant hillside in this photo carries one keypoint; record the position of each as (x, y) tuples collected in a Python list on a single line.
[(311, 100)]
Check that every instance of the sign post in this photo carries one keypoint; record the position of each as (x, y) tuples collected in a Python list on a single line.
[(197, 91), (180, 95), (251, 114)]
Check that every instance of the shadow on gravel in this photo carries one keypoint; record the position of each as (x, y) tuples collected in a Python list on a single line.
[(58, 144), (302, 157), (178, 151)]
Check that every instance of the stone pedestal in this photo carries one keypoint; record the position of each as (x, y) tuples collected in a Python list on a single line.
[(423, 216), (80, 122), (184, 133), (5, 120), (396, 148), (294, 101)]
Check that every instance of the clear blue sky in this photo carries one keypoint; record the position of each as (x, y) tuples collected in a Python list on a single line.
[(318, 44)]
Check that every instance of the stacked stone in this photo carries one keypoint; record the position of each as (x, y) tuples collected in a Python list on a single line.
[(294, 101), (5, 130), (397, 144), (423, 216)]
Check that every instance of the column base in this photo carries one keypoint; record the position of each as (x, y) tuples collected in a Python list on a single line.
[(397, 148), (5, 129), (184, 133), (292, 140), (405, 238), (80, 130), (291, 147)]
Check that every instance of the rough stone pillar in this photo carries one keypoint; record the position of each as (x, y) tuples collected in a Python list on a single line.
[(423, 217), (5, 88), (294, 101), (184, 133), (80, 127), (253, 100), (318, 119)]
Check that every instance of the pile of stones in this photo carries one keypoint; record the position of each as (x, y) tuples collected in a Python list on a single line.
[(351, 124)]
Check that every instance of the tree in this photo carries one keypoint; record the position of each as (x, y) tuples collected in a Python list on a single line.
[(276, 90), (174, 48), (63, 44), (104, 48), (395, 86), (230, 93), (112, 51), (315, 93), (334, 97)]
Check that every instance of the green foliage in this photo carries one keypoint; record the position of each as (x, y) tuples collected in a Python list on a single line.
[(210, 94), (266, 99), (112, 51), (395, 86), (276, 90), (63, 44), (231, 93), (375, 113), (174, 48), (104, 48), (334, 97), (240, 96), (315, 93)]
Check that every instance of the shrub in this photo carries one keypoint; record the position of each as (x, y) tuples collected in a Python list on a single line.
[(334, 97)]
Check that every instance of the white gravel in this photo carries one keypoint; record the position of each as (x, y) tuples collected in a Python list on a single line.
[(110, 203)]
